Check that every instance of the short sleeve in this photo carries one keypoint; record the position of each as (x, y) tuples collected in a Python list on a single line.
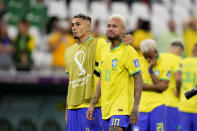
[(132, 62), (101, 43), (166, 73)]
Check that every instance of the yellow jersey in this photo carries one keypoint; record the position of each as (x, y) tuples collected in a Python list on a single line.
[(117, 68), (72, 66), (189, 81), (173, 61), (152, 99)]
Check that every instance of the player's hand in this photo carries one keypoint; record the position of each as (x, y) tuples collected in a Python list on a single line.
[(128, 39), (152, 62), (89, 113), (134, 117)]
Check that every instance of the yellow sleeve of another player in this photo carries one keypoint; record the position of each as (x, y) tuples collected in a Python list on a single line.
[(165, 73), (132, 61), (101, 43), (177, 66)]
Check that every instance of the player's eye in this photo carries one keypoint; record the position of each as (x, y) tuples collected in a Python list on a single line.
[(78, 24)]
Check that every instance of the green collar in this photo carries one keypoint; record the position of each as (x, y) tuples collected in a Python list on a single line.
[(89, 38), (117, 46)]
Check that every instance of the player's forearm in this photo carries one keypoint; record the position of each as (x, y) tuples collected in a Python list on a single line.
[(161, 86), (138, 85), (178, 82), (97, 94), (148, 87), (154, 78)]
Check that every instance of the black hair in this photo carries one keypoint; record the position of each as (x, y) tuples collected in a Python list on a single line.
[(82, 16), (178, 43)]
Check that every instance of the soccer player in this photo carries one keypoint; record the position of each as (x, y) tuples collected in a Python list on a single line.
[(120, 83), (172, 93), (188, 108), (80, 61), (156, 77)]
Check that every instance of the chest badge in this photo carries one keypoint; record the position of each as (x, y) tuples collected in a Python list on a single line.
[(114, 62)]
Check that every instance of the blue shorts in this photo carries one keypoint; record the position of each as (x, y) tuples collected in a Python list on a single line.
[(152, 121), (116, 120), (188, 121), (172, 118), (77, 120)]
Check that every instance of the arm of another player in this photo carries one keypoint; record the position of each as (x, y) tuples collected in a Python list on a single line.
[(134, 117), (66, 113), (94, 101), (161, 86)]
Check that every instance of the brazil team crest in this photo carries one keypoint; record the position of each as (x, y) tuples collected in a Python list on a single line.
[(114, 62)]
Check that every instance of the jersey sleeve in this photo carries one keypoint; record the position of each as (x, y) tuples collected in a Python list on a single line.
[(132, 63), (101, 43), (179, 67), (166, 73)]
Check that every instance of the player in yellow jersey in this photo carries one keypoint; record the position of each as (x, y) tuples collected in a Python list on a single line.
[(188, 108), (156, 76), (80, 61), (172, 93), (120, 83)]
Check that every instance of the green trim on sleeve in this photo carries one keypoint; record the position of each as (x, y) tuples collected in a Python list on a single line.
[(135, 72), (164, 79)]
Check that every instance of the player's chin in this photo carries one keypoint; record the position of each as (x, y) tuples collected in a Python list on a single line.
[(110, 37), (76, 37)]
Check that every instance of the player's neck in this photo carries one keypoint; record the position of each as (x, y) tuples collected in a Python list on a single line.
[(115, 43), (83, 38)]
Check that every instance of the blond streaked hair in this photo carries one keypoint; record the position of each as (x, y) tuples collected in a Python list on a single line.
[(120, 17), (148, 45)]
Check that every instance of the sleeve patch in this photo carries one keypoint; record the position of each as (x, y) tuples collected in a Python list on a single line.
[(136, 63), (169, 74)]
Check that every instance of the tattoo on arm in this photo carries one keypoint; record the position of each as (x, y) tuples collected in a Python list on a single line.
[(138, 83), (97, 93)]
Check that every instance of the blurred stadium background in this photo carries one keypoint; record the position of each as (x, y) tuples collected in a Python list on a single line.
[(33, 87)]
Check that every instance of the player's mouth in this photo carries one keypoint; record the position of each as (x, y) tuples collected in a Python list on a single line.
[(75, 33), (110, 34)]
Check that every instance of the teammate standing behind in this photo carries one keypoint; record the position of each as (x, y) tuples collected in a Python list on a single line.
[(120, 82), (188, 108), (156, 77), (172, 93), (80, 61)]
